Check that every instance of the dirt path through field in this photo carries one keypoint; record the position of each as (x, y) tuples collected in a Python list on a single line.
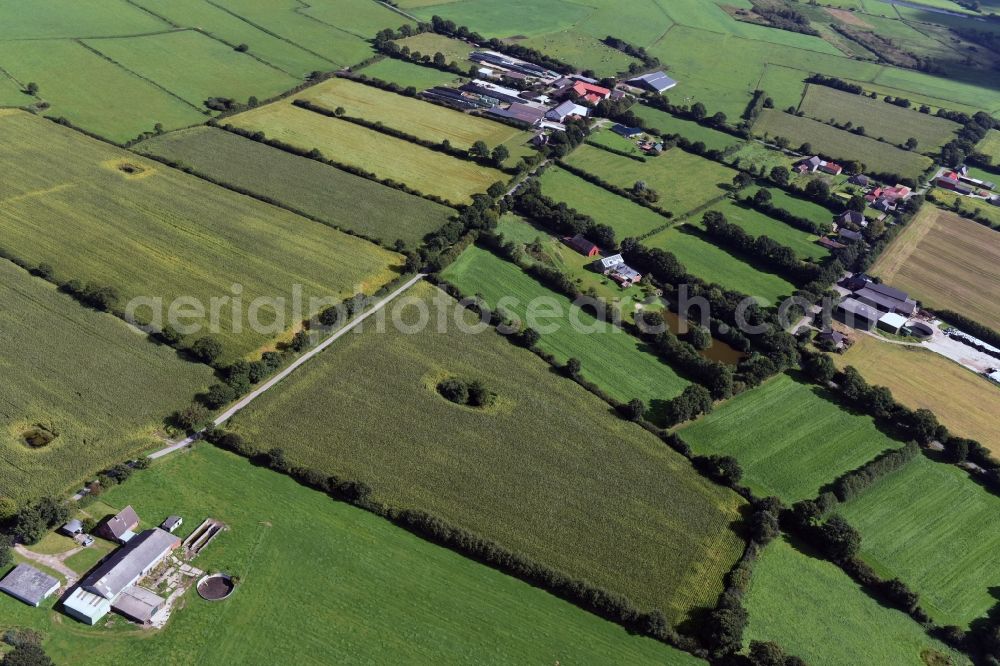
[(54, 562)]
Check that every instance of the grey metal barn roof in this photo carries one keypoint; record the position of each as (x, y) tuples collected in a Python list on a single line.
[(658, 80), (126, 564), (886, 290), (859, 309), (28, 584), (521, 112)]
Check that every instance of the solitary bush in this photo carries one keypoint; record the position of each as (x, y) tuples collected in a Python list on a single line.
[(454, 390)]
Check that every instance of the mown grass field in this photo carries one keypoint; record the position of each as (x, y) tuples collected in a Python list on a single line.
[(67, 74), (840, 144), (893, 123), (515, 18), (338, 198), (946, 261), (935, 529), (11, 94), (626, 218), (793, 597), (789, 437), (410, 115), (605, 137), (68, 18), (194, 66), (612, 359), (427, 171), (408, 74), (668, 124), (103, 388), (758, 224), (518, 472), (683, 181), (713, 264), (968, 404), (967, 206), (375, 594), (802, 207), (164, 234), (429, 43), (215, 21), (753, 156), (583, 50)]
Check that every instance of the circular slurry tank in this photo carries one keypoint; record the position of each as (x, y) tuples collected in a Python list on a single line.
[(216, 587), (920, 329)]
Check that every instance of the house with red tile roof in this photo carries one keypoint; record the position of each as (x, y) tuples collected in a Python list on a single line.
[(590, 92)]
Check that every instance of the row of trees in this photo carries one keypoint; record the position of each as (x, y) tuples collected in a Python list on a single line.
[(637, 194), (560, 218), (765, 250), (762, 201)]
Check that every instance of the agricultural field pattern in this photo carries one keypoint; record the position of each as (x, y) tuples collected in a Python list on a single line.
[(500, 332)]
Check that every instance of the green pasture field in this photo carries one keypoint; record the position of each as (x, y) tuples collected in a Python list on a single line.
[(288, 20), (12, 93), (358, 17), (793, 597), (785, 85), (644, 22), (789, 437), (935, 529), (755, 155), (515, 18), (713, 264), (801, 207), (517, 472), (683, 181), (840, 144), (758, 224), (668, 124), (427, 171), (893, 123), (67, 74), (340, 199), (376, 593), (408, 114), (69, 18), (407, 74), (583, 50), (194, 66), (628, 219), (101, 386), (219, 23), (605, 137), (614, 360), (164, 234)]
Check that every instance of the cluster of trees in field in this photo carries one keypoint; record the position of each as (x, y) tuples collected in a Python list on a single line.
[(962, 148), (461, 392), (765, 250), (683, 355), (646, 60), (26, 648), (784, 17), (480, 153)]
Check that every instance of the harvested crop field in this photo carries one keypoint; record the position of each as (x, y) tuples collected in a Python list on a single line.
[(793, 596), (516, 472), (616, 361), (422, 169), (789, 437), (97, 389), (946, 261), (968, 404), (880, 119), (935, 529), (841, 145), (66, 200), (683, 181), (409, 114), (338, 198)]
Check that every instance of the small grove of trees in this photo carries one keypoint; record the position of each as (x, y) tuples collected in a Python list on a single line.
[(32, 521), (460, 392)]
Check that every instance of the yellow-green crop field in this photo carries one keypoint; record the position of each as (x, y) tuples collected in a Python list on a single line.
[(100, 386), (159, 233), (422, 169), (517, 472), (408, 114)]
